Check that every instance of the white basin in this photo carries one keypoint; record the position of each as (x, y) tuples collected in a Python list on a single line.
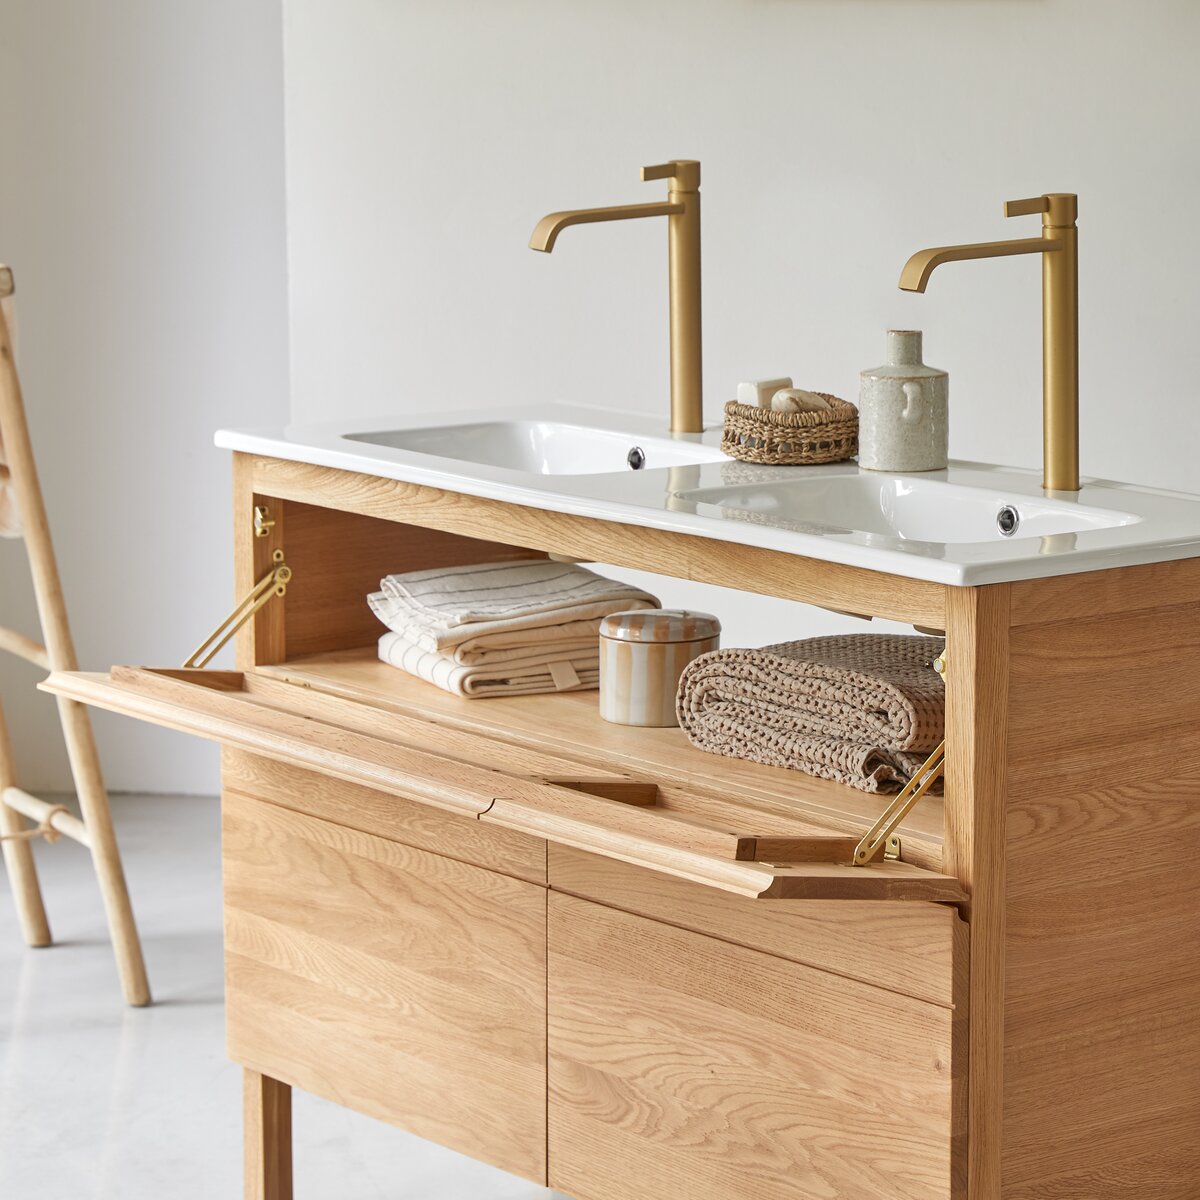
[(544, 447), (940, 526), (910, 508)]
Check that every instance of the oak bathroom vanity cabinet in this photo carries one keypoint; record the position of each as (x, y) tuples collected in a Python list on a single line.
[(599, 958)]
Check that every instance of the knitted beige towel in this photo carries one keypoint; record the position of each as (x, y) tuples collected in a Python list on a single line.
[(863, 709)]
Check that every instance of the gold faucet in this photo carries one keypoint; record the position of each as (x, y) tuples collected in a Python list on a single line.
[(1058, 247), (682, 210)]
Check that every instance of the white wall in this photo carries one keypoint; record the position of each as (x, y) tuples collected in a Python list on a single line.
[(837, 136), (141, 207), (141, 202)]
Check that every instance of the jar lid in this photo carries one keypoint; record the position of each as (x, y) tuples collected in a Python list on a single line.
[(660, 625)]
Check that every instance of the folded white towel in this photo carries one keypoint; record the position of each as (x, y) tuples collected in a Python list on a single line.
[(500, 606), (533, 675), (504, 645)]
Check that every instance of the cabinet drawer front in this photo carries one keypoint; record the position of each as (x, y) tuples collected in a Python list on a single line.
[(918, 950), (404, 985), (680, 1065), (385, 815)]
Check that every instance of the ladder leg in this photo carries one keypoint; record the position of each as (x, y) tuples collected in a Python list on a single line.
[(93, 802), (18, 856), (77, 728)]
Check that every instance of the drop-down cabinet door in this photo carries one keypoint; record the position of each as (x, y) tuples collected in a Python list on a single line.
[(620, 819)]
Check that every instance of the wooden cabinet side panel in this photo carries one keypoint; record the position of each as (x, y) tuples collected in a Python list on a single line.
[(1102, 962), (260, 640), (684, 1066), (403, 985), (977, 633)]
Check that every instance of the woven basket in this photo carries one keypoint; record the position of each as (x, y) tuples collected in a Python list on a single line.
[(761, 435)]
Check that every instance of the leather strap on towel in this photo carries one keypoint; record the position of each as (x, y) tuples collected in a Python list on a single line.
[(564, 675)]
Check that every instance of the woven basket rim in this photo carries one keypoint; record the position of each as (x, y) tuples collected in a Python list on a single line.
[(758, 435), (840, 410)]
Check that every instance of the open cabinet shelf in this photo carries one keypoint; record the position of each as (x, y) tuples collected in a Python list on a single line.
[(569, 725)]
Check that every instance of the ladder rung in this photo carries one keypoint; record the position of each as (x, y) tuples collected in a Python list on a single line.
[(23, 647), (36, 809)]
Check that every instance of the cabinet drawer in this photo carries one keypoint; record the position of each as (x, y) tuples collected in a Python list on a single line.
[(680, 1065), (402, 984), (918, 950), (385, 815)]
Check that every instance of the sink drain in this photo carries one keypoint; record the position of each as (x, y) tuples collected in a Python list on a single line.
[(1007, 520), (636, 458)]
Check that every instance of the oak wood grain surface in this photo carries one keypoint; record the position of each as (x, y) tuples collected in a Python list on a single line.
[(338, 558), (682, 1066), (210, 705), (903, 947), (977, 640), (405, 985), (262, 639), (1102, 940), (385, 816), (267, 1137), (772, 573), (1123, 589), (777, 800)]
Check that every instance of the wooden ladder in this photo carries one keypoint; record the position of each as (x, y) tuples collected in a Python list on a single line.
[(95, 830)]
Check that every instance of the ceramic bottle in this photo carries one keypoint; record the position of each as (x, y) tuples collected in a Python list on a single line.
[(903, 410)]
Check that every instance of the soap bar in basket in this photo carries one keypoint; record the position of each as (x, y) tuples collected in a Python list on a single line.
[(757, 393), (760, 435)]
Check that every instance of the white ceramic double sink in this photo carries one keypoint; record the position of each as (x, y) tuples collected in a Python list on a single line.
[(969, 524), (543, 447)]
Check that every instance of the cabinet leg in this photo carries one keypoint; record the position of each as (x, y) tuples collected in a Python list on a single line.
[(268, 1137)]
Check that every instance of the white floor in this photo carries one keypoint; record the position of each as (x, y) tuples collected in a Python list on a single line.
[(102, 1102)]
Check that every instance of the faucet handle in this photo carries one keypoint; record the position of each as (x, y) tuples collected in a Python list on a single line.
[(1057, 208), (684, 174), (1026, 208)]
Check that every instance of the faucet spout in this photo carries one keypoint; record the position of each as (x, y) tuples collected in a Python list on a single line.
[(919, 267), (682, 210), (546, 232), (1058, 247)]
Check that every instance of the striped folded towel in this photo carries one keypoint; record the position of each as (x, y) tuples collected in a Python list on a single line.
[(484, 611), (531, 675)]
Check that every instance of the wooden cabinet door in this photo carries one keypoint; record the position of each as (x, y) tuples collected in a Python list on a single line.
[(684, 1065), (405, 985)]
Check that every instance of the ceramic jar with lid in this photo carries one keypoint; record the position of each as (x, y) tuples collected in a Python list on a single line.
[(642, 655), (903, 410)]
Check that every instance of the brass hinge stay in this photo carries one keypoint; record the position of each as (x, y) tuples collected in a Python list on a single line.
[(273, 583), (882, 835)]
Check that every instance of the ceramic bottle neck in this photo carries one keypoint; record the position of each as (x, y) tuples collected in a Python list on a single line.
[(904, 348)]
